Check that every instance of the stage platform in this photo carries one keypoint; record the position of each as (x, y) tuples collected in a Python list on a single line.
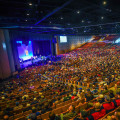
[(39, 61), (29, 62)]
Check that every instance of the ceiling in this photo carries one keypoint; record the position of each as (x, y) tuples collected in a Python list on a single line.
[(61, 16)]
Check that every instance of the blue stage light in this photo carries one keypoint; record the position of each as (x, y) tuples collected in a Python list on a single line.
[(19, 42), (29, 42), (4, 46)]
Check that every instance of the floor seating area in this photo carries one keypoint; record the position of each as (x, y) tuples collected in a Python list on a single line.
[(77, 87), (111, 37), (96, 38), (87, 45)]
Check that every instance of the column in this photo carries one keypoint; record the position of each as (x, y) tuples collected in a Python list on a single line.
[(9, 50), (5, 70)]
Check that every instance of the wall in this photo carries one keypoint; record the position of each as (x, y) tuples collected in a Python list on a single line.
[(73, 42), (20, 35), (9, 50)]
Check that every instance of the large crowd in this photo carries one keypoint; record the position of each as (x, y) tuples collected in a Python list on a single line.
[(83, 85)]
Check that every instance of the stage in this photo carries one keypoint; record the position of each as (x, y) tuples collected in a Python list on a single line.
[(33, 52), (30, 62), (39, 61)]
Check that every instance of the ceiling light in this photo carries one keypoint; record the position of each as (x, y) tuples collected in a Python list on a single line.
[(61, 18), (78, 12), (30, 4), (82, 21), (102, 17), (26, 20), (28, 14), (104, 2), (109, 10)]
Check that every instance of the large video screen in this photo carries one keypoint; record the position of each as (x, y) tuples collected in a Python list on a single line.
[(24, 50), (63, 39)]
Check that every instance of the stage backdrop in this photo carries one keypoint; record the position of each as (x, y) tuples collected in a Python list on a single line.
[(24, 49), (41, 48)]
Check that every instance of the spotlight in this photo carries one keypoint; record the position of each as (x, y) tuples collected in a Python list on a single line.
[(28, 14), (26, 20)]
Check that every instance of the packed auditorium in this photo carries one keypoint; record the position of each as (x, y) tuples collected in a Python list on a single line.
[(59, 60)]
